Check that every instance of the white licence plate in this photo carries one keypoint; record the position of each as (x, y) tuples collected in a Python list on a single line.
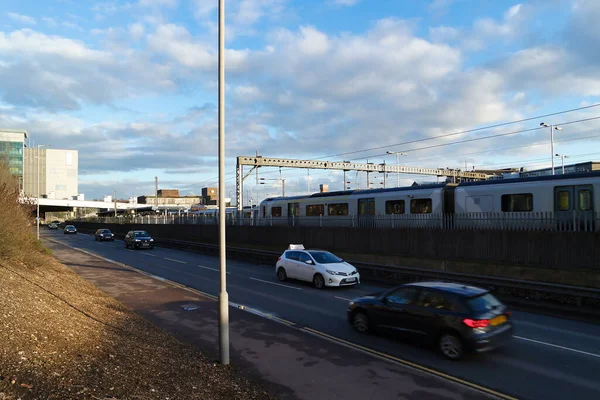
[(350, 279), (145, 244)]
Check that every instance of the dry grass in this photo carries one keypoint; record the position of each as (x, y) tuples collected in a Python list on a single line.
[(18, 241)]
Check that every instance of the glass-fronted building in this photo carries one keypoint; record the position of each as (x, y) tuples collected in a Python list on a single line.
[(12, 145)]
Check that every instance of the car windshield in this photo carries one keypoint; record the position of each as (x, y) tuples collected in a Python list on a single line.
[(325, 257), (485, 302), (104, 231), (140, 233), (70, 227)]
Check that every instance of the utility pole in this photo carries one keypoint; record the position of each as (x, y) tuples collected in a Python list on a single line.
[(156, 192), (115, 196), (282, 187), (223, 296)]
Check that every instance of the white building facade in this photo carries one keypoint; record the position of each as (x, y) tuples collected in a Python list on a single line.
[(51, 173)]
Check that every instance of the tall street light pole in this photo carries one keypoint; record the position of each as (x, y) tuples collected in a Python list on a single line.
[(397, 153), (223, 296), (562, 158), (552, 129), (38, 187)]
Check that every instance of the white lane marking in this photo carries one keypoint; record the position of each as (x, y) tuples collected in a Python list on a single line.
[(177, 261), (569, 332), (559, 347), (273, 283), (212, 269), (147, 254), (112, 245), (342, 298)]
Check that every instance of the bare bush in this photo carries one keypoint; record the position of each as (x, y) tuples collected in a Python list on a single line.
[(17, 239)]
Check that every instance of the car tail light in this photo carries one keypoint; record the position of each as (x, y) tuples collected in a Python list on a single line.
[(476, 323), (278, 258), (507, 313)]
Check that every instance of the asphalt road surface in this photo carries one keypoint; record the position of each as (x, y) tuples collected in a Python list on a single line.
[(549, 358)]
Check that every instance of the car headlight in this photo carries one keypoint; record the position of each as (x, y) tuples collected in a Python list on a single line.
[(152, 240), (137, 240), (332, 272), (350, 304)]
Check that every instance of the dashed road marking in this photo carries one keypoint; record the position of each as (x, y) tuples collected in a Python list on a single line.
[(177, 261), (212, 269), (558, 347), (273, 283), (342, 298)]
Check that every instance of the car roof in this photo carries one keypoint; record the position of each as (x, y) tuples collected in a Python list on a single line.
[(455, 288)]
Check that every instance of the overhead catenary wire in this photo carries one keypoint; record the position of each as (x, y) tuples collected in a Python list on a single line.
[(232, 174)]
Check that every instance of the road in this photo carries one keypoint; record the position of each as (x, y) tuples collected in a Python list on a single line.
[(550, 358)]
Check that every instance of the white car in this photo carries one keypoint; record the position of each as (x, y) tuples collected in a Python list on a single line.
[(320, 267)]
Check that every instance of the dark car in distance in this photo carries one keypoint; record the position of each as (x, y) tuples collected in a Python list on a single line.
[(138, 240), (69, 229), (458, 318), (104, 234)]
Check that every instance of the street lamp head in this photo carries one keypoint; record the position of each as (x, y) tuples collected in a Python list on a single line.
[(389, 152), (558, 128), (557, 155), (544, 124)]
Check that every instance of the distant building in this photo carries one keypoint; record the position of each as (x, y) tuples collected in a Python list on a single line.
[(51, 173), (168, 193), (170, 198), (587, 166), (12, 147)]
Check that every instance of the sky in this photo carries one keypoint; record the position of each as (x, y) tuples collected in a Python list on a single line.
[(132, 85)]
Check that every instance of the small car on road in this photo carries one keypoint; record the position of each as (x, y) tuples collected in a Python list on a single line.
[(320, 267), (53, 225), (104, 234), (458, 318), (139, 240), (69, 229)]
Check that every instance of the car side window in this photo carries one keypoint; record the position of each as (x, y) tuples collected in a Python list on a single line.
[(304, 257), (402, 296), (292, 255), (437, 300)]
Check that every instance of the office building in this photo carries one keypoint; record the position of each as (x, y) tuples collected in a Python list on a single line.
[(51, 173), (12, 146)]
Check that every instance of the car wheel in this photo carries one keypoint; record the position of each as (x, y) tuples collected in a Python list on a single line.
[(319, 281), (126, 245), (112, 240), (281, 275), (360, 322), (451, 346)]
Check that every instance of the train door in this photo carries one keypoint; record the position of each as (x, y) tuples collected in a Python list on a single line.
[(448, 205), (574, 207), (366, 212), (293, 213)]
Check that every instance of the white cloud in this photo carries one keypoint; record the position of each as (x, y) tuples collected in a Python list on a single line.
[(136, 31), (176, 42), (26, 41), (23, 19)]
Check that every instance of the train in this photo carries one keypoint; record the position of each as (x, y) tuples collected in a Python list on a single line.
[(564, 197)]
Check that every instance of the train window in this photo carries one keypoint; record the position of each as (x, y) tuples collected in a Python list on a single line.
[(337, 209), (522, 202), (314, 210), (420, 206), (564, 200), (276, 211), (585, 200), (394, 207)]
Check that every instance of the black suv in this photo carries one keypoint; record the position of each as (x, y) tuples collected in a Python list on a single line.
[(138, 240), (458, 318), (104, 234)]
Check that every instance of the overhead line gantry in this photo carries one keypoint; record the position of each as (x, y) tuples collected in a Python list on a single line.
[(259, 161)]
